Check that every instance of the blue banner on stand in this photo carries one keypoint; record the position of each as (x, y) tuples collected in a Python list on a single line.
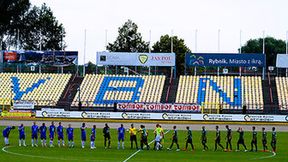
[(225, 59)]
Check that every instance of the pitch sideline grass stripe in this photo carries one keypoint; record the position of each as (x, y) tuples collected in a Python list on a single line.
[(140, 150), (149, 121), (265, 157), (42, 157)]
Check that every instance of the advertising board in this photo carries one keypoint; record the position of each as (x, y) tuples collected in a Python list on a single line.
[(282, 61), (225, 59), (23, 105), (45, 113), (135, 59), (158, 107), (16, 114)]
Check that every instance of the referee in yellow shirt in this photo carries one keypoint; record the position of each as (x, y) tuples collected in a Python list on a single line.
[(133, 132)]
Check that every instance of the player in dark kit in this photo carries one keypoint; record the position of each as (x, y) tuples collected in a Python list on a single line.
[(144, 135), (204, 138), (174, 139), (189, 139), (254, 139), (241, 139), (264, 140), (273, 140), (107, 137), (218, 138), (228, 138)]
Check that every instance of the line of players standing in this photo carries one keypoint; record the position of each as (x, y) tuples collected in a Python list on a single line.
[(240, 139), (158, 133), (42, 130)]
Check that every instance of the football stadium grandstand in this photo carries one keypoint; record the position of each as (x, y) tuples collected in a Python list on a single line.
[(42, 89), (108, 95), (282, 92), (231, 91), (108, 89), (98, 91)]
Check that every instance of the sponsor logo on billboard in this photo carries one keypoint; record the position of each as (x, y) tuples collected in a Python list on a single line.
[(225, 59), (143, 58), (125, 115), (23, 105), (259, 118), (10, 56), (135, 59), (57, 113), (97, 115), (221, 117), (84, 114), (102, 58), (194, 60), (176, 116), (44, 114)]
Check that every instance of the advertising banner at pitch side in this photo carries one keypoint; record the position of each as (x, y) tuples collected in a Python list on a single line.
[(61, 113), (135, 59), (225, 59)]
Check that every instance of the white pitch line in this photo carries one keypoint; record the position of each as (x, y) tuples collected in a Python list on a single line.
[(140, 150), (42, 157), (265, 157)]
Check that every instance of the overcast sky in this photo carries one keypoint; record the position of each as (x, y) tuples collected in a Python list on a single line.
[(161, 16)]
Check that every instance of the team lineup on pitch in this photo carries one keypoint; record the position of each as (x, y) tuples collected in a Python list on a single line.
[(170, 136)]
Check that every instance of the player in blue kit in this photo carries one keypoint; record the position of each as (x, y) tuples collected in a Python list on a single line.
[(83, 135), (21, 130), (43, 130), (70, 135), (121, 136), (52, 130), (6, 133), (93, 137), (60, 133), (34, 134)]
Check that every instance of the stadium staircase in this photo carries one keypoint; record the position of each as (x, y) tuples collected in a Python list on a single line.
[(169, 91), (165, 90), (170, 97), (173, 91), (69, 92), (270, 96)]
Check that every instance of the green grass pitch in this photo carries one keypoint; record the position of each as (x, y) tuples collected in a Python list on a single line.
[(39, 154)]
